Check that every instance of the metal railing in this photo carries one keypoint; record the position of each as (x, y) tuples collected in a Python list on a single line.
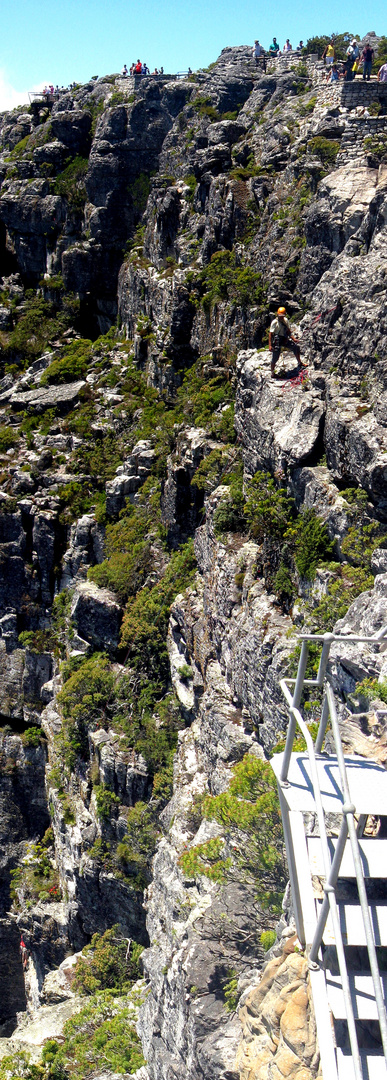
[(292, 690)]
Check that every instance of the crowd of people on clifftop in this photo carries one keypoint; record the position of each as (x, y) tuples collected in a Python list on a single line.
[(260, 54), (140, 68), (358, 58)]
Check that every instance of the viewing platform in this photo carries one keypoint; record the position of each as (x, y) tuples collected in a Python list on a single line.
[(338, 872)]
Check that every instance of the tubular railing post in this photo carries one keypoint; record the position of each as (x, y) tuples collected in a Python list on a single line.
[(328, 638), (297, 694), (331, 881), (322, 726)]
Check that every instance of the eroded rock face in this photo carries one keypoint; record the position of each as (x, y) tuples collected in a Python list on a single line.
[(236, 219)]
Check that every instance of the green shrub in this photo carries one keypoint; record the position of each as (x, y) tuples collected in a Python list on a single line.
[(209, 473), (371, 689), (32, 331), (204, 107), (32, 736), (224, 279), (349, 582), (37, 641), (376, 145), (134, 852), (139, 191), (326, 149), (341, 41), (103, 964), (311, 543), (207, 859), (107, 802), (267, 939), (124, 572), (73, 365), (8, 438), (250, 815), (229, 515), (268, 509), (191, 182), (70, 183), (100, 1032), (83, 703), (145, 621), (283, 584), (230, 991), (37, 877)]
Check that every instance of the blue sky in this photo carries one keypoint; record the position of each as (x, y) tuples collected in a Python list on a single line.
[(67, 40)]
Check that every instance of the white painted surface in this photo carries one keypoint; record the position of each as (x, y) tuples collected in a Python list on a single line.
[(373, 856), (367, 784)]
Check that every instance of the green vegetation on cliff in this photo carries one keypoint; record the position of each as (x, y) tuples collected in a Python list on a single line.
[(251, 846)]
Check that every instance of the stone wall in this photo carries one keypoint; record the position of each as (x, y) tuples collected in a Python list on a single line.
[(359, 128)]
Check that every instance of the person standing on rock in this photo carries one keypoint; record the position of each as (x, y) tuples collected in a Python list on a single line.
[(274, 47), (280, 337), (259, 54), (23, 953)]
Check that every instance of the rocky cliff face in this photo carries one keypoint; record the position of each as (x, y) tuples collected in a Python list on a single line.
[(170, 516)]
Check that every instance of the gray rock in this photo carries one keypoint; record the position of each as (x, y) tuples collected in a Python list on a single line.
[(279, 425), (49, 397), (97, 615), (379, 561)]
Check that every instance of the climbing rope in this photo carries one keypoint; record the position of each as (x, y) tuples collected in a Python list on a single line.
[(298, 380)]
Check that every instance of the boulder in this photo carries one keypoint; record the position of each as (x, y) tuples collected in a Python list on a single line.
[(73, 129), (97, 615), (61, 398)]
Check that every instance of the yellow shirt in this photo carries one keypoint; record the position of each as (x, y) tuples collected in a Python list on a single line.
[(330, 50)]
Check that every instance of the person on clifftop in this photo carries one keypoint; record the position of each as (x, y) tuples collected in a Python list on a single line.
[(333, 74), (367, 58), (259, 54), (274, 47), (280, 337)]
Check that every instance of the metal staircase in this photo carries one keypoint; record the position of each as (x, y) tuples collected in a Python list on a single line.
[(339, 882)]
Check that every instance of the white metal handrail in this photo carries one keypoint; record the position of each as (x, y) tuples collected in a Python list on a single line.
[(348, 827)]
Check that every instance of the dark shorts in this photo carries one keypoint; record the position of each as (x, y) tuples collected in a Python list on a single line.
[(287, 343)]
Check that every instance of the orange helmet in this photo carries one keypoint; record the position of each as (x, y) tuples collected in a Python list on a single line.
[(281, 311)]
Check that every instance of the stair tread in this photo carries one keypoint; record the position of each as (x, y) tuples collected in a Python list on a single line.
[(362, 994), (367, 784), (373, 1064), (373, 856), (351, 922)]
